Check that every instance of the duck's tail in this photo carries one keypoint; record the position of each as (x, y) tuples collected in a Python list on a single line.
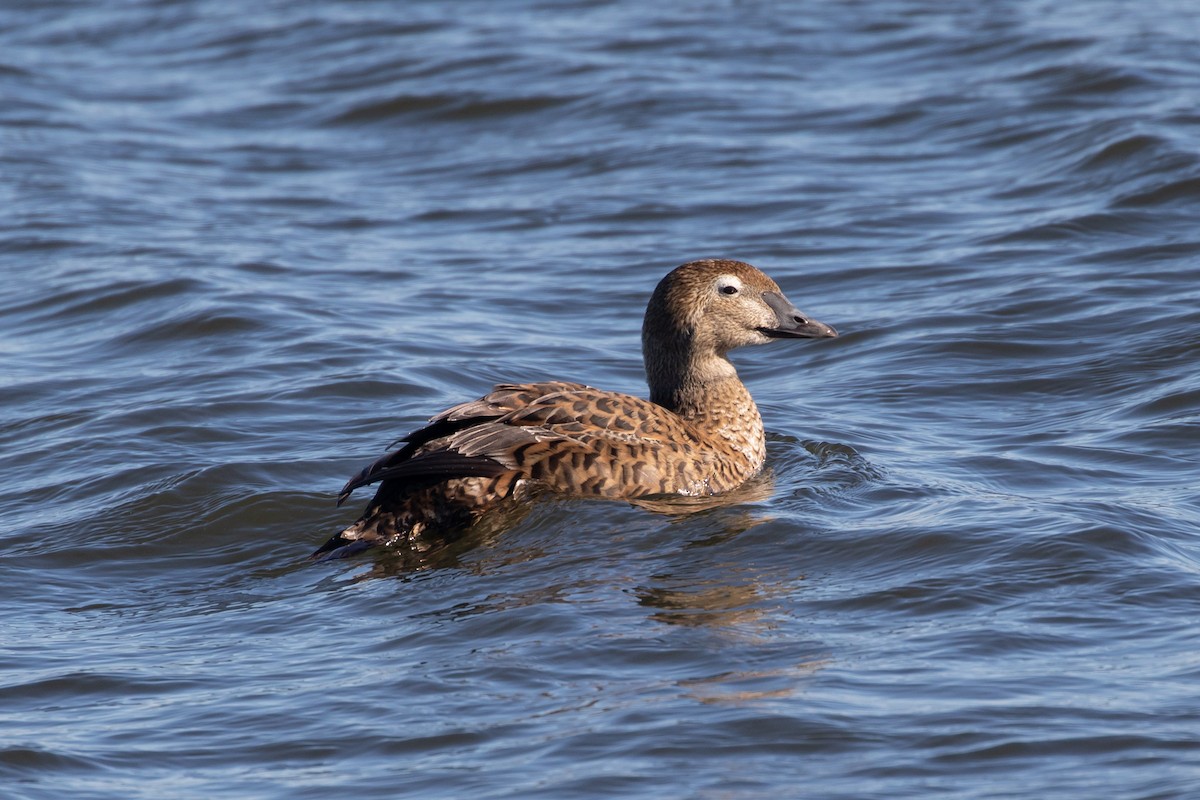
[(375, 527), (340, 546), (400, 524), (419, 517)]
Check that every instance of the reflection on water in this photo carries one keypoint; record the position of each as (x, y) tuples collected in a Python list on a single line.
[(753, 686), (685, 601)]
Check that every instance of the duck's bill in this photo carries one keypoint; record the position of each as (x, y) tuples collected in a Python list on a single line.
[(791, 323)]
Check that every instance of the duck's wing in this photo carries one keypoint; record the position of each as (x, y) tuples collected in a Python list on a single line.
[(574, 440), (450, 461), (505, 398), (585, 412), (605, 444)]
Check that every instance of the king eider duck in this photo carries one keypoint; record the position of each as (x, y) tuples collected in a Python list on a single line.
[(699, 434)]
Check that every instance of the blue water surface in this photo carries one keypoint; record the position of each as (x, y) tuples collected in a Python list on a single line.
[(246, 247)]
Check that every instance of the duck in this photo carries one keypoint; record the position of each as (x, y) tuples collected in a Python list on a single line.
[(698, 434)]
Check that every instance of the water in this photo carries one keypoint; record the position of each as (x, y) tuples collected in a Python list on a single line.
[(245, 248)]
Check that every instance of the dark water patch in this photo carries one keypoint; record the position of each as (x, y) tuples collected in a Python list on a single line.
[(1077, 82), (1180, 404), (13, 71), (196, 325), (54, 692), (1088, 225), (1125, 152), (1182, 190), (452, 108), (405, 104), (28, 765), (1054, 45), (103, 299)]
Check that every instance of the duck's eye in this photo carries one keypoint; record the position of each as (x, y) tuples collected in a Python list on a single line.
[(728, 289)]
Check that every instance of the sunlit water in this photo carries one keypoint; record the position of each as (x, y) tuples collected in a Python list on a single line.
[(246, 247)]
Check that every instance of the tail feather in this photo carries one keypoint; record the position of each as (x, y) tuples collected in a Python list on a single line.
[(362, 535), (340, 547)]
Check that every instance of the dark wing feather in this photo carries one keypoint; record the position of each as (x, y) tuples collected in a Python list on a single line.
[(504, 399), (434, 464)]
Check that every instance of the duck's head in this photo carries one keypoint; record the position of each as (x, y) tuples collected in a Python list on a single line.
[(715, 305)]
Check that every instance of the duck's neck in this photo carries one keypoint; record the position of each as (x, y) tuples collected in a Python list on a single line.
[(705, 390)]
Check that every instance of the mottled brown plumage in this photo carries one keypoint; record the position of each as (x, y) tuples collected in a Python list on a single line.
[(699, 433)]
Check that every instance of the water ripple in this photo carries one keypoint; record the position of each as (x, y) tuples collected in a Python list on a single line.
[(256, 247)]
